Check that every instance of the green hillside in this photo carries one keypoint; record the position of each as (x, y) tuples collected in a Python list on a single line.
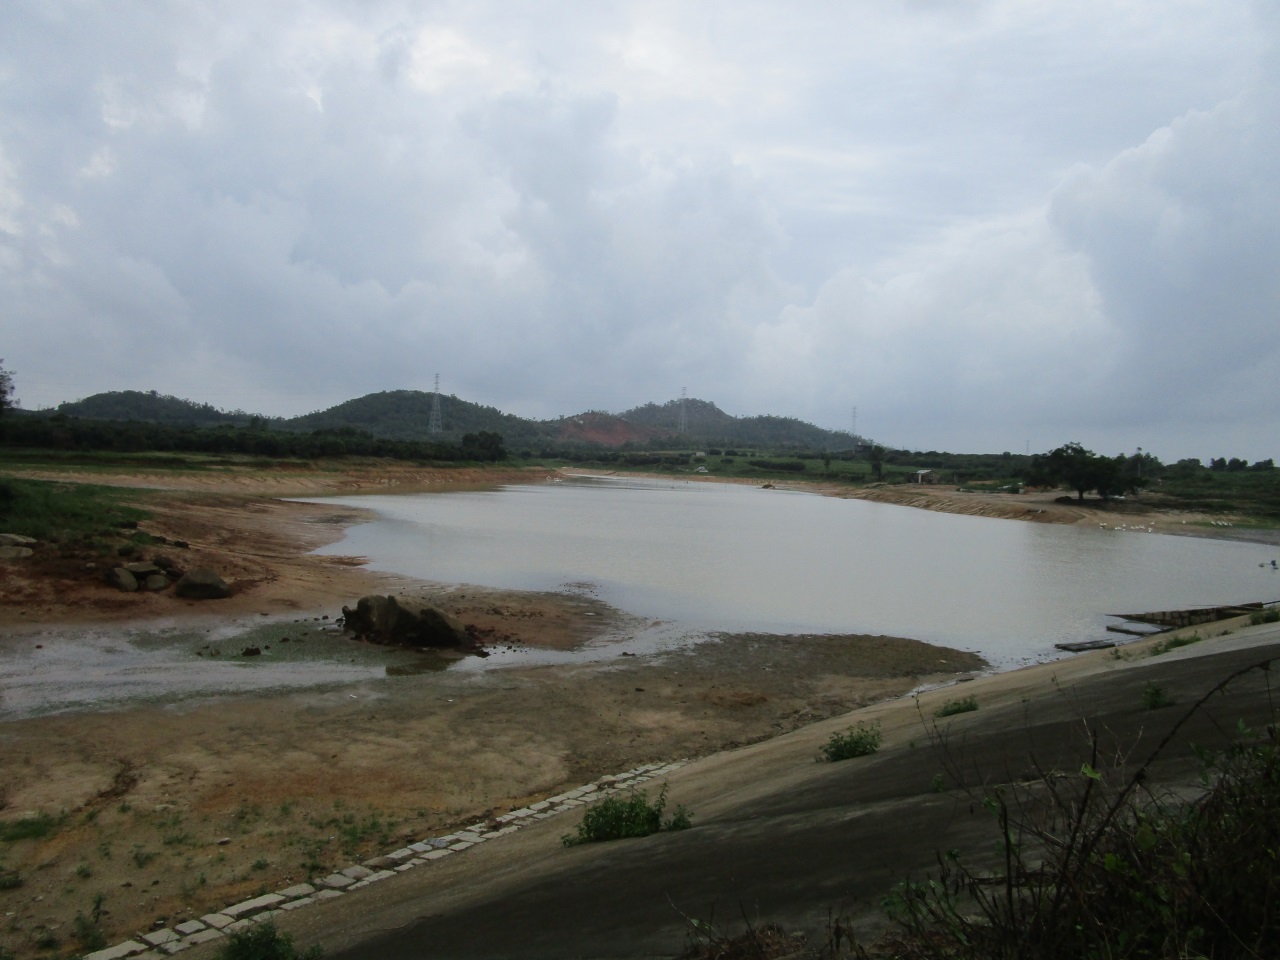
[(708, 425), (406, 415), (149, 407)]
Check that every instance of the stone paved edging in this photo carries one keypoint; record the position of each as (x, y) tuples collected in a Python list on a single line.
[(166, 941)]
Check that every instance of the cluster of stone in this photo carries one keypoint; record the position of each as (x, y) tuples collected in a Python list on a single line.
[(166, 941), (14, 546)]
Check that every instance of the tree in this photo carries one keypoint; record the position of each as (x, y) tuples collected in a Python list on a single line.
[(6, 388), (877, 460), (1082, 470)]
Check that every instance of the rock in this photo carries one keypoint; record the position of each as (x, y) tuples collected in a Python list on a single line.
[(404, 621), (251, 652), (9, 552), (142, 569), (16, 540), (180, 544), (202, 584), (157, 581), (122, 579)]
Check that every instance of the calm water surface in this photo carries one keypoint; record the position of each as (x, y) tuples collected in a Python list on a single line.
[(726, 557)]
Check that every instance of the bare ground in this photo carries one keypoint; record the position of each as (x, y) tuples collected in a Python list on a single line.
[(169, 811)]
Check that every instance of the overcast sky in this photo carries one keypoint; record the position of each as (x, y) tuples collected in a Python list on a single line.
[(988, 225)]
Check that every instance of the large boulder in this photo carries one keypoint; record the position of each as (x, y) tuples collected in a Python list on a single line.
[(122, 579), (405, 622), (202, 584)]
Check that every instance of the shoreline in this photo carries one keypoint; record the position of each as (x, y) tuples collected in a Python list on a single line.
[(300, 780)]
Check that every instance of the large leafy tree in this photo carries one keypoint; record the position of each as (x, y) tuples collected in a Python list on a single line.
[(1071, 465)]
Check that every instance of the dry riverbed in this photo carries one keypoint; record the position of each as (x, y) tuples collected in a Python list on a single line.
[(142, 808)]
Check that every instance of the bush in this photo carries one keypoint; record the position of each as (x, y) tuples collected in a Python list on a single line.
[(952, 707), (1154, 696), (618, 817), (263, 942), (1264, 616), (1173, 643), (28, 828), (858, 741)]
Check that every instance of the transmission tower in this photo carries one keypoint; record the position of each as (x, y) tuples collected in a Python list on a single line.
[(434, 425), (684, 413)]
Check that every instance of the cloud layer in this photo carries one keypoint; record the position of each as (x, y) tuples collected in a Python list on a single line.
[(986, 224)]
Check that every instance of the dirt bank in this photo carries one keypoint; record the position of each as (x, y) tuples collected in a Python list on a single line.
[(167, 810)]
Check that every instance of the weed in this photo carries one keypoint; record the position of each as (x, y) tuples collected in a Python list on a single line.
[(861, 740), (49, 510), (1112, 872), (263, 942), (1264, 616), (10, 879), (84, 871), (1154, 696), (143, 857), (176, 839), (89, 933), (1173, 643), (938, 784), (28, 828), (260, 864), (618, 817), (952, 707)]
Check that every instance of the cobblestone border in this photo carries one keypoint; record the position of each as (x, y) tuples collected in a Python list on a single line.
[(165, 941)]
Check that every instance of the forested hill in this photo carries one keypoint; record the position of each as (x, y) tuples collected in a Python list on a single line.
[(406, 415), (149, 407), (712, 426)]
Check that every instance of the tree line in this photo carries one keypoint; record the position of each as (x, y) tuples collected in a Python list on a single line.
[(71, 434)]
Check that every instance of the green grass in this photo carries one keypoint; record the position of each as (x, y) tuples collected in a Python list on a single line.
[(952, 707), (51, 511), (28, 828), (263, 942), (858, 741), (634, 815), (1173, 643)]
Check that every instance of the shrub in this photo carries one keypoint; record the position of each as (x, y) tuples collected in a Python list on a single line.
[(1173, 643), (952, 707), (618, 817), (28, 828), (1264, 616), (1154, 696), (858, 741), (263, 942)]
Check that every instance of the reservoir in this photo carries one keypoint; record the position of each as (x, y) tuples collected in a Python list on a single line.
[(712, 557)]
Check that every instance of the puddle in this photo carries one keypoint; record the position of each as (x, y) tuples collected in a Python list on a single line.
[(60, 670)]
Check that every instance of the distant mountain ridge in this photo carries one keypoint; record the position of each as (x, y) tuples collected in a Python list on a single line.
[(406, 415)]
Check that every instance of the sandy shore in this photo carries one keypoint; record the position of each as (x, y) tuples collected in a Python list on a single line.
[(169, 808)]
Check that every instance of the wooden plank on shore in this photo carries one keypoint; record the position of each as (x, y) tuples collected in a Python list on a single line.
[(1115, 628), (1083, 645)]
